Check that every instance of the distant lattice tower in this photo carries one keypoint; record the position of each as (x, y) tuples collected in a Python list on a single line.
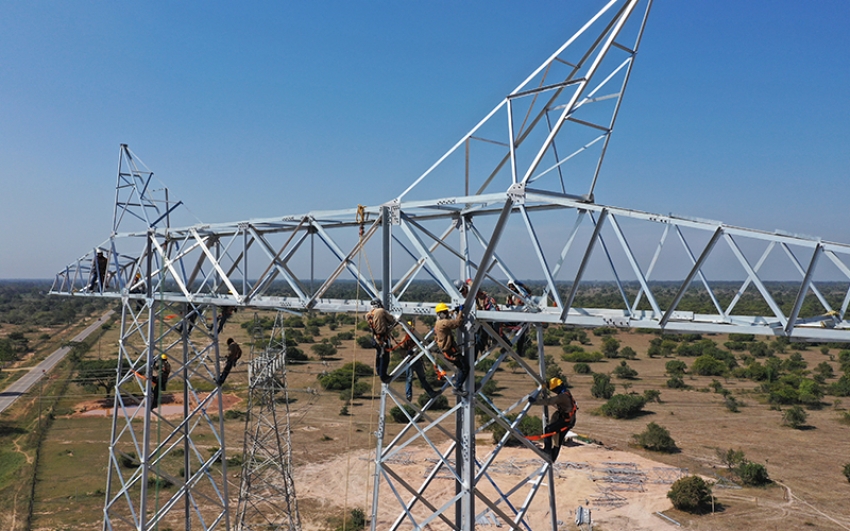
[(267, 492)]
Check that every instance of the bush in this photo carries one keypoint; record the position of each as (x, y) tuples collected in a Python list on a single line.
[(655, 438), (324, 350), (623, 406), (358, 390), (795, 417), (602, 386), (752, 474), (690, 494), (675, 367), (529, 425), (398, 415), (581, 368), (628, 353), (625, 372), (485, 365), (847, 471), (365, 342), (708, 365), (441, 403), (295, 355), (610, 347), (652, 395), (676, 382)]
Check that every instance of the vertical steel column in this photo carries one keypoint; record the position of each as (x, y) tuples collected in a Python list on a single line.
[(150, 355), (187, 473), (551, 466)]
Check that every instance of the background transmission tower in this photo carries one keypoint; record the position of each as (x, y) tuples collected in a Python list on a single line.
[(267, 493)]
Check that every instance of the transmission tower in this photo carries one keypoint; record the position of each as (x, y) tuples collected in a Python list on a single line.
[(266, 493), (514, 196)]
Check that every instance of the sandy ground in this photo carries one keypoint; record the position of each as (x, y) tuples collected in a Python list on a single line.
[(586, 475)]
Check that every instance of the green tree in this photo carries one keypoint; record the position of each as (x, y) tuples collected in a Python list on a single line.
[(623, 371), (691, 494), (707, 365), (324, 350), (581, 368), (656, 439), (628, 353), (847, 471), (96, 374), (623, 406), (610, 347), (602, 386), (794, 417), (752, 474), (675, 367)]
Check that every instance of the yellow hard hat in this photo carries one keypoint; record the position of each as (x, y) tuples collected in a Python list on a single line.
[(164, 357), (410, 323), (441, 307), (554, 383)]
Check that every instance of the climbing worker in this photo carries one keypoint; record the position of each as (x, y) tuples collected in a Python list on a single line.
[(234, 352), (380, 323), (408, 345), (226, 312), (562, 420), (445, 338), (160, 379)]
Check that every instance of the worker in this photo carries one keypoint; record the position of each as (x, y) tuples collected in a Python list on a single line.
[(408, 345), (159, 379), (445, 338), (485, 302), (98, 273), (516, 300), (562, 420), (381, 323), (226, 312), (234, 352), (519, 292)]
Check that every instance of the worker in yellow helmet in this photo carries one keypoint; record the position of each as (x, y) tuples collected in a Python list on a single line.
[(562, 420), (445, 338)]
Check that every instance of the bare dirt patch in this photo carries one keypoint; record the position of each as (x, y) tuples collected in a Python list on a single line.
[(583, 478)]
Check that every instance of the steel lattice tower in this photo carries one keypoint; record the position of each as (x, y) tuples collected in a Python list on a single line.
[(267, 493), (515, 195)]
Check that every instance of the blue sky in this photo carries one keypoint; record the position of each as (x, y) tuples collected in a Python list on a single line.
[(736, 111)]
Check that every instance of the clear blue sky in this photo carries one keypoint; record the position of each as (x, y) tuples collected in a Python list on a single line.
[(737, 111)]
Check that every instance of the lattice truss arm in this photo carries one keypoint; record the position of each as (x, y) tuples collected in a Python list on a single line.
[(553, 237)]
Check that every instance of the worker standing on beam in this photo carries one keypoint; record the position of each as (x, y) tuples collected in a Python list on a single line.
[(381, 323)]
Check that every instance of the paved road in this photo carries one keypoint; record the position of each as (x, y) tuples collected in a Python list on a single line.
[(25, 383)]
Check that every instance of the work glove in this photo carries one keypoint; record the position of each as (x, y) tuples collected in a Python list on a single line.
[(532, 399), (459, 308)]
